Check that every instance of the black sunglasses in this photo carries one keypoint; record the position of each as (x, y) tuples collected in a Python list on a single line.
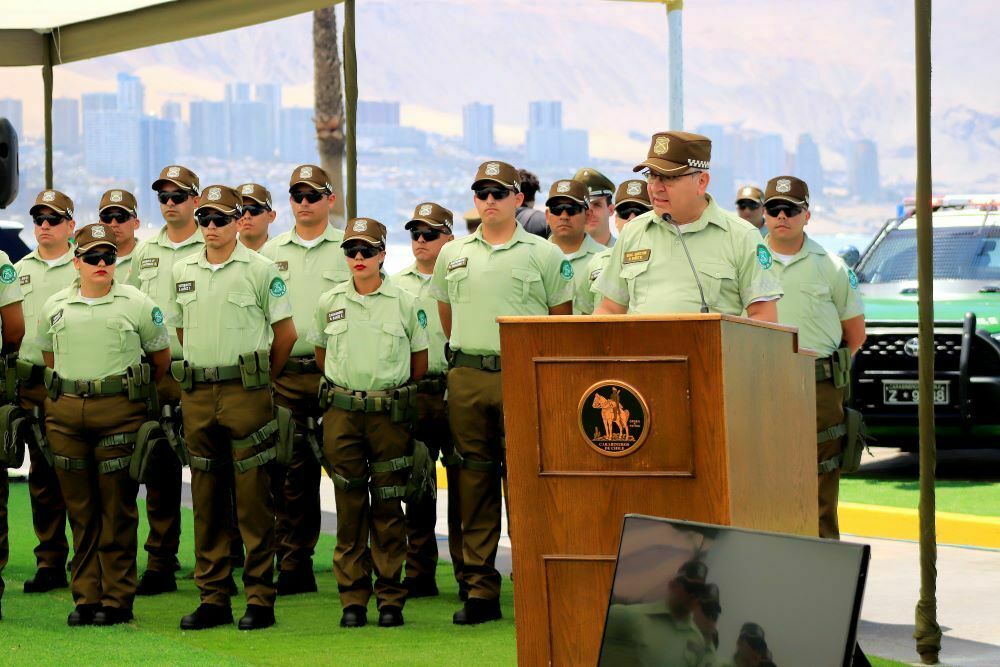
[(217, 218), (175, 197), (482, 194), (311, 196), (367, 251), (115, 216), (425, 234), (254, 211), (626, 212), (109, 257), (788, 209), (746, 203), (572, 209), (53, 220)]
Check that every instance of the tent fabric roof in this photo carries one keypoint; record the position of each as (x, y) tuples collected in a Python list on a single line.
[(44, 15)]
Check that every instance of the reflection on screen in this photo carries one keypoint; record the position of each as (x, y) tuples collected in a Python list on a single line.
[(694, 595)]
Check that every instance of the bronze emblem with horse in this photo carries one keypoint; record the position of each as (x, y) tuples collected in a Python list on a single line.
[(613, 418)]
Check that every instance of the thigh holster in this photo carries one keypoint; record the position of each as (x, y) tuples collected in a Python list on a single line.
[(15, 426)]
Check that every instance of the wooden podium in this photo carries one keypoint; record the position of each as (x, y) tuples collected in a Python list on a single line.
[(702, 417)]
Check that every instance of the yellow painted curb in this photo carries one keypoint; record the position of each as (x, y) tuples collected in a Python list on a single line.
[(904, 524), (442, 477)]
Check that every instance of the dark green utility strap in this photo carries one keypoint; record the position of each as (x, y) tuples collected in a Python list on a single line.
[(451, 460), (106, 387), (392, 465), (480, 466), (345, 484), (66, 463), (114, 465), (829, 465), (116, 440), (354, 403), (256, 460), (216, 374), (258, 437), (388, 492), (204, 464), (832, 433)]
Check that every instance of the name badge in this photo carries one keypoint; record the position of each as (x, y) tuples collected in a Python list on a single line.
[(186, 286), (282, 266), (58, 316), (594, 274), (149, 263), (25, 280), (458, 263), (634, 256), (335, 315)]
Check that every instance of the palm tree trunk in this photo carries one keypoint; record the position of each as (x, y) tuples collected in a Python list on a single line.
[(329, 108)]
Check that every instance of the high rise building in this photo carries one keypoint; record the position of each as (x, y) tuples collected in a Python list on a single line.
[(378, 113), (209, 129), (477, 128), (269, 94), (862, 171), (238, 92), (249, 135), (547, 115), (131, 93), (808, 166), (158, 140), (722, 183), (298, 136), (13, 110), (112, 132), (547, 143), (66, 124)]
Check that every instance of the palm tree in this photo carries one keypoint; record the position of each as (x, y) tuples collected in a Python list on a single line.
[(329, 107)]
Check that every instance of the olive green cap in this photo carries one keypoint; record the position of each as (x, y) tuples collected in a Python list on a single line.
[(370, 231), (57, 201), (122, 199), (432, 214), (598, 185), (633, 191), (787, 188), (500, 173), (221, 198), (311, 175), (677, 153), (569, 189), (751, 193), (257, 193), (91, 236), (472, 215), (180, 176)]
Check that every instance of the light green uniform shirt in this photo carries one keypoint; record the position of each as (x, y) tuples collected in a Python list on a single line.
[(597, 263), (308, 273), (419, 286), (368, 338), (820, 293), (38, 282), (10, 288), (583, 298), (525, 276), (122, 266), (227, 311), (151, 270), (98, 338), (648, 271), (647, 634)]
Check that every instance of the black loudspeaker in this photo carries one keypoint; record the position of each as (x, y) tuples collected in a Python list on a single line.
[(8, 163)]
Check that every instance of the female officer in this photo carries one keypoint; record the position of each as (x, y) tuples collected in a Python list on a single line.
[(93, 334), (370, 341)]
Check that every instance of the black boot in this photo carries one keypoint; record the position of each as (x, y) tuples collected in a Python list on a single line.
[(154, 583), (45, 580), (112, 616), (207, 616), (420, 587), (293, 582), (82, 615), (478, 610), (257, 617), (355, 616), (390, 616)]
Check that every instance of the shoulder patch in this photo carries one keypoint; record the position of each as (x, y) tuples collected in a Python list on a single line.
[(185, 286), (25, 280), (764, 256), (7, 274), (633, 256), (56, 316), (566, 270), (458, 263), (853, 278), (277, 287), (335, 315), (282, 266), (157, 316), (149, 263), (422, 318)]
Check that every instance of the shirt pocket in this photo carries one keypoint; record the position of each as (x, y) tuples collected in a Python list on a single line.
[(394, 342), (334, 277), (636, 280), (458, 285), (817, 298), (528, 286), (60, 341), (147, 280), (188, 303), (28, 305), (237, 313), (336, 339), (716, 278), (122, 333)]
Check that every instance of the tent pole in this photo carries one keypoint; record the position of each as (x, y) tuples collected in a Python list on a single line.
[(676, 57), (47, 86), (927, 632), (351, 109)]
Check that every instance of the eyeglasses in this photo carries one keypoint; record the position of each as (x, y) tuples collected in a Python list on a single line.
[(53, 220), (482, 194), (425, 234), (366, 251), (115, 216), (176, 197), (254, 211), (572, 209), (746, 203), (214, 218), (789, 210), (654, 177), (311, 196), (109, 257), (629, 212)]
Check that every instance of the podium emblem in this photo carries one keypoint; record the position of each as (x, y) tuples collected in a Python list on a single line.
[(614, 418)]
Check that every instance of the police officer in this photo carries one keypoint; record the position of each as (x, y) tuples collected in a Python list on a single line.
[(705, 614), (631, 201), (751, 647), (822, 300), (749, 202), (649, 271), (150, 271), (567, 213), (118, 208), (499, 270), (371, 340), (228, 301), (41, 273), (600, 188), (472, 220), (430, 228), (93, 335), (310, 262), (11, 333), (257, 215), (530, 218)]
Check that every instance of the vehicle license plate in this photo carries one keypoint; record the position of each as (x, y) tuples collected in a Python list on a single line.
[(908, 393)]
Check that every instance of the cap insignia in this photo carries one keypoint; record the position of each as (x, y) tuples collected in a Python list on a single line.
[(173, 172), (562, 186), (247, 189), (97, 232), (633, 189), (361, 225), (783, 185), (214, 194), (424, 210), (492, 169), (305, 172), (49, 196), (661, 145)]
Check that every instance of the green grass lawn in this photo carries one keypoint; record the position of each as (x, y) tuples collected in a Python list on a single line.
[(981, 498), (34, 631)]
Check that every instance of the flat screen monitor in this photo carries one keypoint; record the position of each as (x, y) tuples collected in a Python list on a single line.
[(692, 594)]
